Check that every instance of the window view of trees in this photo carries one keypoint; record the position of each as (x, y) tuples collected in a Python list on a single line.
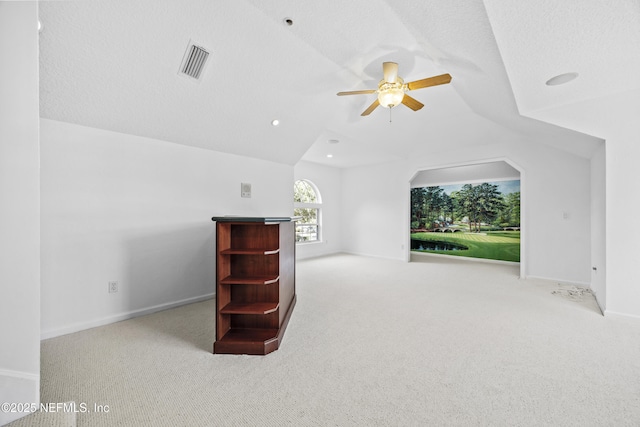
[(307, 206), (303, 192), (490, 208), (476, 206)]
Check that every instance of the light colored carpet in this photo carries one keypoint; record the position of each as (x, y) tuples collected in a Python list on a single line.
[(371, 342)]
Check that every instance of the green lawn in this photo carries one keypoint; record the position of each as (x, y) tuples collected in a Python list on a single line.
[(500, 245)]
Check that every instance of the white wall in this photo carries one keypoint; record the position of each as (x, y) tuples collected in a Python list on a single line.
[(598, 227), (328, 180), (135, 210), (623, 199), (19, 212), (614, 118), (376, 206)]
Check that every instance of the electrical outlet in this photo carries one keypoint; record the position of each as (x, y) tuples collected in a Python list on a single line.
[(113, 287)]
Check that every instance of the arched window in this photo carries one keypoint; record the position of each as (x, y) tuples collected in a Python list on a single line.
[(307, 203)]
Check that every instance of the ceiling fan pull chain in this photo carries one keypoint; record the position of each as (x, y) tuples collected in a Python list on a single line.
[(390, 114)]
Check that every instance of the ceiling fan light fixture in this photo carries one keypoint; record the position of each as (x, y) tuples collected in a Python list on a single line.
[(390, 94)]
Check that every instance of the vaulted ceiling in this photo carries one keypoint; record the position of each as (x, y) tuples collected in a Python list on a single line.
[(114, 65)]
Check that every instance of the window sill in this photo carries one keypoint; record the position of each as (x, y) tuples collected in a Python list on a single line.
[(313, 242)]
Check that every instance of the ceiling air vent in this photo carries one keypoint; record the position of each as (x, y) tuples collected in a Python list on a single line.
[(194, 61)]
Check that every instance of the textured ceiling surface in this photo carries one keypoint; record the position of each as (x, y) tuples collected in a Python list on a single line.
[(114, 65), (598, 39)]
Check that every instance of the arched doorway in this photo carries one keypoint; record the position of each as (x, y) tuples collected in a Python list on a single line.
[(436, 184)]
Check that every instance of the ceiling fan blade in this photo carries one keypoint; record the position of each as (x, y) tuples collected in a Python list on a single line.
[(390, 71), (412, 103), (357, 92), (430, 81), (371, 108)]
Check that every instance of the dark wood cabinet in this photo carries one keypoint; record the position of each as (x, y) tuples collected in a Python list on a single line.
[(255, 283)]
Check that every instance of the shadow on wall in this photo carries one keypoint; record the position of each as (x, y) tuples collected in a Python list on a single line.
[(169, 266)]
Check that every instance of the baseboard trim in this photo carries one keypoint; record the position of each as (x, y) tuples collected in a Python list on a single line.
[(563, 281), (18, 387), (324, 256), (81, 326), (618, 315), (18, 374), (464, 258), (369, 255), (600, 305)]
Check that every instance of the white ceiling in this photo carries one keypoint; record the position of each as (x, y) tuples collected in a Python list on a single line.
[(599, 39), (114, 65)]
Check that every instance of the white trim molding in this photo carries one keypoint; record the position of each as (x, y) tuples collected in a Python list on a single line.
[(81, 326), (20, 388), (618, 315)]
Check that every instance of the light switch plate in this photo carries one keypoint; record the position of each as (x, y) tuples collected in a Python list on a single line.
[(245, 190)]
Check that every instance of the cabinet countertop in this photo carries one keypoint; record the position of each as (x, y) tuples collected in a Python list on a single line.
[(231, 218)]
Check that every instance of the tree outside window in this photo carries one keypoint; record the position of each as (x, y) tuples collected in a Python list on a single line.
[(306, 198)]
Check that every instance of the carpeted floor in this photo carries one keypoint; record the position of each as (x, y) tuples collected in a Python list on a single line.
[(371, 342)]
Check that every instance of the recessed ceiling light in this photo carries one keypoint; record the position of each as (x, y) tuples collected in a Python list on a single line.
[(329, 155), (275, 122), (561, 79), (333, 141)]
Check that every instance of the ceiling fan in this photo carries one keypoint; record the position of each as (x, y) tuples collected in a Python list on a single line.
[(392, 89)]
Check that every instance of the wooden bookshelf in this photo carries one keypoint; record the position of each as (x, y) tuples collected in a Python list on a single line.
[(255, 283)]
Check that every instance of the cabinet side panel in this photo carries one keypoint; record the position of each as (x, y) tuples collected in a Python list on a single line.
[(287, 266), (223, 242), (223, 297), (223, 236), (223, 269)]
